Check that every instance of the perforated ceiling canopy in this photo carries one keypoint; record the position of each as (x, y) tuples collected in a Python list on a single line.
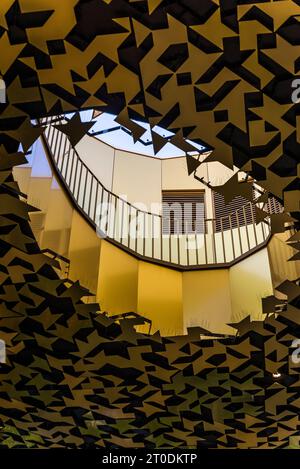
[(219, 72), (215, 72)]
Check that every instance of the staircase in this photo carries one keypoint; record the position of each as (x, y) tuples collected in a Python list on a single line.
[(171, 297), (221, 243)]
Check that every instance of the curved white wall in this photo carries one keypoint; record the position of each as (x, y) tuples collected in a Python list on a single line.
[(138, 178), (141, 179), (99, 158)]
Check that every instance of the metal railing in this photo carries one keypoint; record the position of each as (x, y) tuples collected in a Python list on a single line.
[(221, 242)]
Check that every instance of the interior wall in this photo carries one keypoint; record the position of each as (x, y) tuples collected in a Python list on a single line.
[(175, 175), (143, 178), (281, 268), (57, 224), (139, 178), (250, 281), (172, 300), (160, 298), (84, 253), (217, 173), (117, 290), (206, 300), (99, 158), (22, 175)]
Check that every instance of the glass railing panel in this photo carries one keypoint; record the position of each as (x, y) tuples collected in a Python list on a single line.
[(252, 236), (200, 249), (149, 246), (166, 245), (174, 249), (92, 198), (81, 193), (111, 220), (97, 189), (118, 220), (183, 250), (65, 158), (220, 255), (58, 150), (107, 213), (56, 146), (47, 132), (157, 244), (237, 242), (210, 248), (266, 228), (191, 244), (148, 226), (87, 192), (59, 144), (228, 248), (67, 148), (71, 158), (75, 178), (50, 140), (140, 232), (244, 239), (94, 184), (124, 229), (259, 233), (102, 220), (132, 228)]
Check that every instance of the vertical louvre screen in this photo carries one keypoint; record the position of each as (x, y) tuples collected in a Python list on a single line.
[(273, 206), (183, 212), (237, 213)]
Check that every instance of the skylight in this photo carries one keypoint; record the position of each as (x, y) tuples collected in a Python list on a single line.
[(109, 131)]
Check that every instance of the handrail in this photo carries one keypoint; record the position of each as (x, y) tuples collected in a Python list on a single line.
[(220, 242), (98, 180)]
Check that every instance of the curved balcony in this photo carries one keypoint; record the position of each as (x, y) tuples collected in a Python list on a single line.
[(217, 243)]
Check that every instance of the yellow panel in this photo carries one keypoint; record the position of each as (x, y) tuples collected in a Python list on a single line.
[(58, 223), (39, 192), (279, 253), (118, 279), (207, 300), (61, 218), (250, 281), (138, 178), (84, 253), (160, 298), (22, 176)]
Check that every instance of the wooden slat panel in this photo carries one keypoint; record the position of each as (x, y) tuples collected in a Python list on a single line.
[(183, 212), (273, 206), (223, 212)]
